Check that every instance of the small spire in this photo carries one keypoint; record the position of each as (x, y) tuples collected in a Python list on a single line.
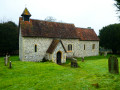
[(26, 15), (26, 12)]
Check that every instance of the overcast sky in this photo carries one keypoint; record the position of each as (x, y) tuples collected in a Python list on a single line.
[(82, 13)]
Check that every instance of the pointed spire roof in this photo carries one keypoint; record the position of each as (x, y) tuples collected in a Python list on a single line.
[(26, 12)]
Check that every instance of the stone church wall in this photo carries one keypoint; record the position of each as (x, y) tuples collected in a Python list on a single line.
[(89, 51), (29, 53), (27, 48), (78, 48), (20, 46), (63, 56)]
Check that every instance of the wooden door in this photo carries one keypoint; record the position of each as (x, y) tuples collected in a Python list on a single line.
[(58, 57)]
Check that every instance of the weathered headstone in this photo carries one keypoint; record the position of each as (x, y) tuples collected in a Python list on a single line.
[(10, 65), (74, 62), (82, 59), (6, 59), (105, 53), (113, 65), (96, 85)]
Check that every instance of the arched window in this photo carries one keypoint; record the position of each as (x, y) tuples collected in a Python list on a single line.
[(69, 47), (93, 46), (84, 46), (35, 48)]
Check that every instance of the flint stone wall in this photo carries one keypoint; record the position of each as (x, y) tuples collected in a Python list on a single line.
[(27, 48), (78, 48), (63, 54), (29, 43), (20, 45)]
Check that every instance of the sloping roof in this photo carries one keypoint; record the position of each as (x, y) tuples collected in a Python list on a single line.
[(39, 28), (86, 34), (46, 29), (26, 12), (54, 45)]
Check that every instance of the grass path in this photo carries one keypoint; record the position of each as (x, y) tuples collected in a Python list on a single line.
[(50, 76)]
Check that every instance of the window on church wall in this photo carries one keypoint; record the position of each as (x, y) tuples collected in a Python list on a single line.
[(93, 46), (35, 48), (84, 46), (70, 47)]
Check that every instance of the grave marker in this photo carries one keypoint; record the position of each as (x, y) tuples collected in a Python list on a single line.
[(6, 60), (74, 63), (10, 65), (82, 59), (113, 65)]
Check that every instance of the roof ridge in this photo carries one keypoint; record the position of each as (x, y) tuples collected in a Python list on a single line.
[(54, 22), (83, 28)]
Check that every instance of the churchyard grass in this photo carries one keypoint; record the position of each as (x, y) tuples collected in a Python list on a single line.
[(50, 76)]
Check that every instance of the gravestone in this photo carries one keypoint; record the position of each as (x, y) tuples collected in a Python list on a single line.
[(105, 53), (82, 59), (74, 63), (113, 65), (96, 85), (6, 59), (10, 65)]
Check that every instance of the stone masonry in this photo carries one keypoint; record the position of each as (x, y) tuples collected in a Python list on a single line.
[(27, 52)]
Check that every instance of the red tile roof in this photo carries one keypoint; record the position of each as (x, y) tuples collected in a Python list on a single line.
[(39, 28), (54, 45), (47, 29), (87, 34)]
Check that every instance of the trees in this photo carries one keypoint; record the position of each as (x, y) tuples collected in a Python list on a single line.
[(8, 37), (117, 4), (110, 37), (50, 19)]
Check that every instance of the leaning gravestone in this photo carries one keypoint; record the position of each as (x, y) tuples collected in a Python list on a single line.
[(82, 59), (74, 62), (113, 65)]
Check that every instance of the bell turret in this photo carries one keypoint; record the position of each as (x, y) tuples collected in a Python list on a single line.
[(26, 15)]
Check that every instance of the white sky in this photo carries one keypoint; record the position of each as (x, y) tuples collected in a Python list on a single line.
[(82, 13)]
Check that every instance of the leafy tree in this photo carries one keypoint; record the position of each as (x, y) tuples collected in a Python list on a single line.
[(50, 19), (117, 4), (110, 37), (8, 37)]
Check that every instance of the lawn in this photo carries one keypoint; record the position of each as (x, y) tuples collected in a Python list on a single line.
[(50, 76)]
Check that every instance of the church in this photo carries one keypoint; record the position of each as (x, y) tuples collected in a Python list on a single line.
[(54, 41)]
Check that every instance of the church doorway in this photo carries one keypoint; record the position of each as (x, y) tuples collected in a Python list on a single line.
[(59, 57)]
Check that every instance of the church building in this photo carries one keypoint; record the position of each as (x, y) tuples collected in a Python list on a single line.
[(54, 41)]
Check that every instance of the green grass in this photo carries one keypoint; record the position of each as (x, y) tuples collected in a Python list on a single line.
[(50, 76)]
